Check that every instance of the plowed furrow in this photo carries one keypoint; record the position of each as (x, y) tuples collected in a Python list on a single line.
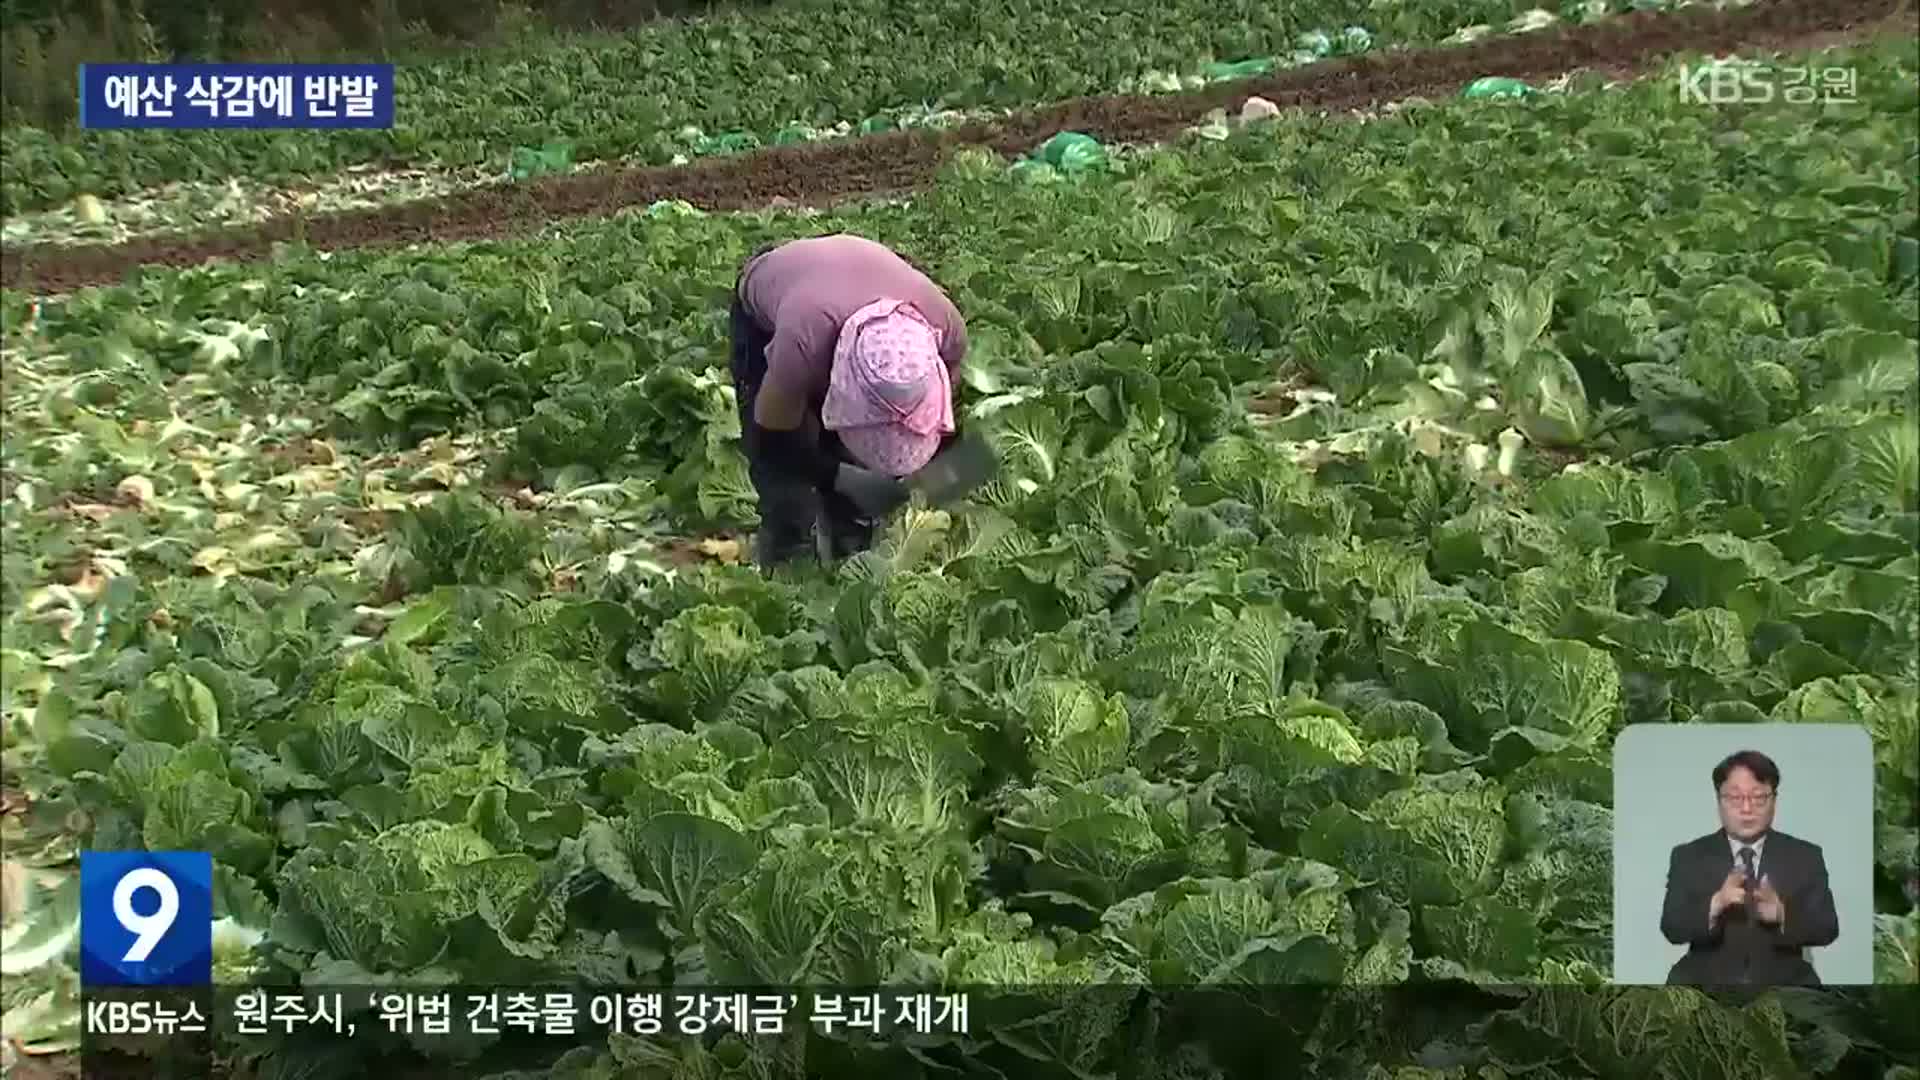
[(899, 161)]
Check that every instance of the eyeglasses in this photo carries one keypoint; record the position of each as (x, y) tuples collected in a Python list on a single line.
[(1747, 800)]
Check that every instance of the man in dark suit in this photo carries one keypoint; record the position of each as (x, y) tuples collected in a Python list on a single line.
[(1746, 900)]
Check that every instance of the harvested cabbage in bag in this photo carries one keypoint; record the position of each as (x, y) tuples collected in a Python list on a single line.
[(1244, 69), (554, 157), (1496, 86), (1071, 151)]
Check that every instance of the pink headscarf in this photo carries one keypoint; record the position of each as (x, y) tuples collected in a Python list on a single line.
[(889, 398)]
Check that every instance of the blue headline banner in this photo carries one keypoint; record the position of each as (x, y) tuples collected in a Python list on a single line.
[(236, 96)]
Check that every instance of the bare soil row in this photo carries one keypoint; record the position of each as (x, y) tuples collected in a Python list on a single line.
[(899, 161)]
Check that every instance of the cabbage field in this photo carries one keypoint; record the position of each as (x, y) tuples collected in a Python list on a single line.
[(1362, 478), (769, 76)]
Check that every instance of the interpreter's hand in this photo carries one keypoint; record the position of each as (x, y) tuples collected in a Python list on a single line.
[(1733, 893), (876, 494), (1767, 904)]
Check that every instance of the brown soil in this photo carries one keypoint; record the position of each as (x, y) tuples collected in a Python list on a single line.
[(686, 552), (366, 521), (301, 451), (51, 1067), (682, 553), (901, 161)]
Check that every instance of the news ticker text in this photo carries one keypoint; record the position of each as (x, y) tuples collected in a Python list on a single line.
[(530, 1012)]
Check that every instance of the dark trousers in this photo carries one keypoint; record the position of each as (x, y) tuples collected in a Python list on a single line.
[(789, 507)]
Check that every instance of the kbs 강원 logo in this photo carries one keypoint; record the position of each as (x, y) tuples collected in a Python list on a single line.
[(146, 918)]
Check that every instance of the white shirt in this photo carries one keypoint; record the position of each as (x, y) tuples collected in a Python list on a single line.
[(1758, 845)]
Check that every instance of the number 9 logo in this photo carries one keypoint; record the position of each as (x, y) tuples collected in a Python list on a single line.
[(146, 918), (148, 930)]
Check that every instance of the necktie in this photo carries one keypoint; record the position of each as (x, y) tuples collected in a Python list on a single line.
[(1746, 866)]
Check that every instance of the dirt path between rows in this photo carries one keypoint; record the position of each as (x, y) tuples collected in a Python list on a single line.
[(900, 161)]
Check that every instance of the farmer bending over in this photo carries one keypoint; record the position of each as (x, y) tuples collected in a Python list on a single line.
[(844, 358)]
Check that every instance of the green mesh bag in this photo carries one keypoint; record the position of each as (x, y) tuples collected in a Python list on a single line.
[(1072, 152), (1496, 86)]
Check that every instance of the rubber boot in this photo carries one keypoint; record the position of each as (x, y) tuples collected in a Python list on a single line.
[(848, 532), (786, 533)]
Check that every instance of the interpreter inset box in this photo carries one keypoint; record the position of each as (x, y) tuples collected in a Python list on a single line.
[(1743, 855)]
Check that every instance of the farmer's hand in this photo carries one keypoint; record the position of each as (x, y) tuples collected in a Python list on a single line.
[(876, 494), (1733, 892)]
